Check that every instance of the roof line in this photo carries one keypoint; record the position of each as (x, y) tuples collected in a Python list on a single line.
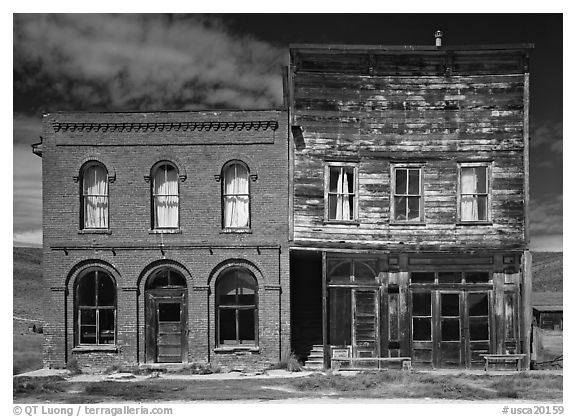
[(409, 48)]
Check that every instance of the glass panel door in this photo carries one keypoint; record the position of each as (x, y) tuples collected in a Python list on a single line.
[(450, 330)]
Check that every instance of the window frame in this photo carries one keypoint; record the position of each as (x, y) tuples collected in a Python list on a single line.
[(236, 308), (327, 192), (488, 194), (153, 196), (223, 196), (407, 166), (79, 308), (83, 197)]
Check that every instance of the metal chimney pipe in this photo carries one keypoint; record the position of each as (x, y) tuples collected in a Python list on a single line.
[(438, 36)]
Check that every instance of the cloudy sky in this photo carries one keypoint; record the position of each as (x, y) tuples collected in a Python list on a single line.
[(94, 62)]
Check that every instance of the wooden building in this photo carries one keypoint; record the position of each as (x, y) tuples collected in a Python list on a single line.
[(409, 199)]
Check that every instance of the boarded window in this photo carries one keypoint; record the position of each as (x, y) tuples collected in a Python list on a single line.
[(236, 307), (96, 308)]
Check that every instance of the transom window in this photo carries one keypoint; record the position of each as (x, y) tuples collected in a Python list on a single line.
[(165, 197), (451, 277), (235, 196), (237, 308), (474, 192), (341, 191), (94, 198), (166, 278), (407, 201), (96, 309)]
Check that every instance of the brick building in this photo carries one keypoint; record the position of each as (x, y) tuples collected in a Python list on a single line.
[(381, 215), (165, 237)]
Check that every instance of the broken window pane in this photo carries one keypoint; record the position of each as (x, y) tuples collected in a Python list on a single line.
[(400, 208)]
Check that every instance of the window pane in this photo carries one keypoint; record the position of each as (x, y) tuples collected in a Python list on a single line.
[(341, 273), (421, 304), (96, 211), (481, 186), (413, 208), (362, 272), (421, 329), (422, 277), (477, 277), (169, 312), (87, 290), (450, 330), (468, 182), (401, 181), (479, 328), (478, 304), (450, 305), (106, 290), (449, 277), (348, 185), (227, 326), (332, 200), (482, 202), (400, 208), (166, 211), (88, 326), (414, 181), (246, 326), (106, 326), (334, 177)]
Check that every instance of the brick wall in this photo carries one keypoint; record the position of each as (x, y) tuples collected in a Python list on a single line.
[(200, 247)]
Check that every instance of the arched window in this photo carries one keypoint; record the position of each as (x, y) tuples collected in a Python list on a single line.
[(95, 308), (166, 278), (94, 198), (165, 196), (237, 308), (235, 196)]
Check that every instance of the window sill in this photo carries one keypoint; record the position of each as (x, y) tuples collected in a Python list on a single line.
[(164, 231), (231, 230), (342, 222), (96, 348), (482, 223), (236, 349), (94, 232), (407, 223)]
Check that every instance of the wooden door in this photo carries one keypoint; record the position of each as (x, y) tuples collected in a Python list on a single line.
[(450, 340), (365, 323), (166, 317)]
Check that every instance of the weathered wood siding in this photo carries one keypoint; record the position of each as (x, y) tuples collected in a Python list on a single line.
[(448, 116)]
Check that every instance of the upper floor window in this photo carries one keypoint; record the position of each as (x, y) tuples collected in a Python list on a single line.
[(407, 201), (94, 199), (95, 301), (235, 196), (165, 196), (341, 191), (474, 192)]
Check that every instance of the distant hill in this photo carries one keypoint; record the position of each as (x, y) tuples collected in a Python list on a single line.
[(547, 271)]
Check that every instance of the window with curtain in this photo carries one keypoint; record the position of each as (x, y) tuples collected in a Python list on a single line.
[(165, 197), (236, 196), (407, 194), (96, 309), (474, 192), (94, 197), (237, 308), (341, 192)]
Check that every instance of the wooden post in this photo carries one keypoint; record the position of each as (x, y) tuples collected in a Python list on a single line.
[(404, 330), (526, 306), (325, 313), (499, 315)]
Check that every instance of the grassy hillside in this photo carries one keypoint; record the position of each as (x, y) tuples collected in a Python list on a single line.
[(547, 271)]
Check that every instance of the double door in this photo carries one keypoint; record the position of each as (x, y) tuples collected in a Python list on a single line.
[(451, 328)]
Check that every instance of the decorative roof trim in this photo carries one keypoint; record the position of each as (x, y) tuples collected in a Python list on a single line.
[(164, 126)]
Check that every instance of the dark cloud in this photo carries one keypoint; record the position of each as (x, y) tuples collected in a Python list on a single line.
[(546, 215), (547, 136), (140, 62)]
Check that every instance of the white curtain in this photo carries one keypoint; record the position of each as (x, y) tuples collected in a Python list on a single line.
[(166, 197), (468, 197), (95, 197), (236, 196), (342, 197)]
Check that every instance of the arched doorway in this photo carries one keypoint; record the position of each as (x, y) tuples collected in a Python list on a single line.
[(166, 315)]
